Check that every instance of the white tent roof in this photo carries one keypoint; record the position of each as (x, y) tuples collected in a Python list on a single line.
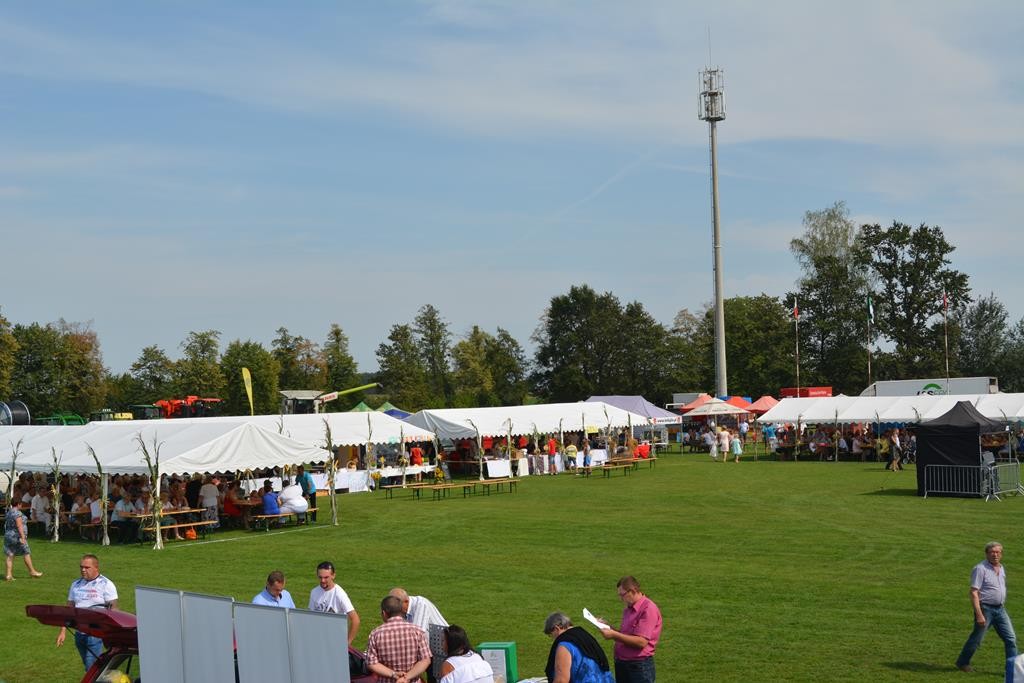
[(347, 429), (200, 444), (184, 446), (788, 409), (843, 409), (547, 418)]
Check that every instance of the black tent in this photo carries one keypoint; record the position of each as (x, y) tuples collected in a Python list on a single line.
[(954, 439)]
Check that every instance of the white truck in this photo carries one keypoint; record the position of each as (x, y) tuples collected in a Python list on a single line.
[(935, 386)]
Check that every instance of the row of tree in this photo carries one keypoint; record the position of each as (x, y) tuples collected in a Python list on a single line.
[(586, 342)]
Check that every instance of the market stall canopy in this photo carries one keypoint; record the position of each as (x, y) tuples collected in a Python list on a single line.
[(739, 402), (641, 406), (360, 407), (715, 406), (700, 400), (763, 405), (390, 409), (545, 418)]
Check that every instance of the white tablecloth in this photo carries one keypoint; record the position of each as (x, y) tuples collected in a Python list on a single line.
[(353, 480), (397, 471), (498, 468)]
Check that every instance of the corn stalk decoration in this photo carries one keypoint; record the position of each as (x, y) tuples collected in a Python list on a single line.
[(153, 463), (370, 461), (15, 452), (401, 452), (332, 470), (439, 475), (102, 497), (510, 450), (55, 490), (479, 449)]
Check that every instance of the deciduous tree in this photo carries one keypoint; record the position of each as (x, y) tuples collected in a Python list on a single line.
[(264, 370), (912, 269), (8, 354), (198, 371), (832, 294), (578, 350)]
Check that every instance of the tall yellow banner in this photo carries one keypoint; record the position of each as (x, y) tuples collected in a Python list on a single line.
[(247, 378)]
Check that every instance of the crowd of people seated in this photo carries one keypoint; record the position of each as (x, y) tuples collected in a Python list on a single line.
[(210, 497)]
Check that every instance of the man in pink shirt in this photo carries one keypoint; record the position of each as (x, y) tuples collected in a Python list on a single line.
[(637, 636)]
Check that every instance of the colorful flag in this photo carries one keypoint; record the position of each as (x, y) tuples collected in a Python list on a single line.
[(945, 301), (871, 310), (796, 310)]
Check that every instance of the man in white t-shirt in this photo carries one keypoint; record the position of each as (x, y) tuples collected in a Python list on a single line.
[(92, 591), (330, 597)]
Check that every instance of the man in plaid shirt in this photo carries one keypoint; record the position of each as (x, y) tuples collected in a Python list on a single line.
[(397, 649)]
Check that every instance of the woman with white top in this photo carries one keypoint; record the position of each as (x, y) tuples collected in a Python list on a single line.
[(463, 665)]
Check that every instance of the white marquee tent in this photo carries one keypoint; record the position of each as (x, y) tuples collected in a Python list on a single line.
[(198, 444), (856, 409), (548, 418)]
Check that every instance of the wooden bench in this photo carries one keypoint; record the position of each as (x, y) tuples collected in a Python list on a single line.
[(202, 527), (650, 462), (264, 520), (441, 490), (513, 484), (608, 469), (416, 488)]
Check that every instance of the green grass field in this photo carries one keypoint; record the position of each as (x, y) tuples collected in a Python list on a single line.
[(766, 571)]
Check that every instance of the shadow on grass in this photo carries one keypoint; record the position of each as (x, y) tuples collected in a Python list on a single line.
[(891, 492), (921, 667)]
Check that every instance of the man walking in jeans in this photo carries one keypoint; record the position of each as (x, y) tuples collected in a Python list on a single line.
[(637, 636), (988, 598)]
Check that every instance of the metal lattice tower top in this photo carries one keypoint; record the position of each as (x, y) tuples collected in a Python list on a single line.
[(711, 104)]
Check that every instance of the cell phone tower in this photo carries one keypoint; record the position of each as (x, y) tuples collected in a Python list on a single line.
[(711, 108)]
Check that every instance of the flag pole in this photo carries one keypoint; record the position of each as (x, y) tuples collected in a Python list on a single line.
[(796, 326), (945, 333), (871, 317)]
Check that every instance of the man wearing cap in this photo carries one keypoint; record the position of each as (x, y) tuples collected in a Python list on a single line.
[(988, 597), (274, 595), (92, 591)]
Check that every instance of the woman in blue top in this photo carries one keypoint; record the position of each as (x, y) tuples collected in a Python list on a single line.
[(575, 657), (270, 506)]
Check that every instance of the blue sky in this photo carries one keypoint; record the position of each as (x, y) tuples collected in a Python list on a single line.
[(167, 167)]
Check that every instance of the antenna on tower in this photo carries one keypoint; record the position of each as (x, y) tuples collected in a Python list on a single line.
[(710, 61), (711, 108)]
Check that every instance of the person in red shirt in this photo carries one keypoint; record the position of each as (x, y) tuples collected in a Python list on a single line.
[(552, 451), (638, 635), (416, 458)]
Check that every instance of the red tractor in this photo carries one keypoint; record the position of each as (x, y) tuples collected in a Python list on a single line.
[(190, 406)]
